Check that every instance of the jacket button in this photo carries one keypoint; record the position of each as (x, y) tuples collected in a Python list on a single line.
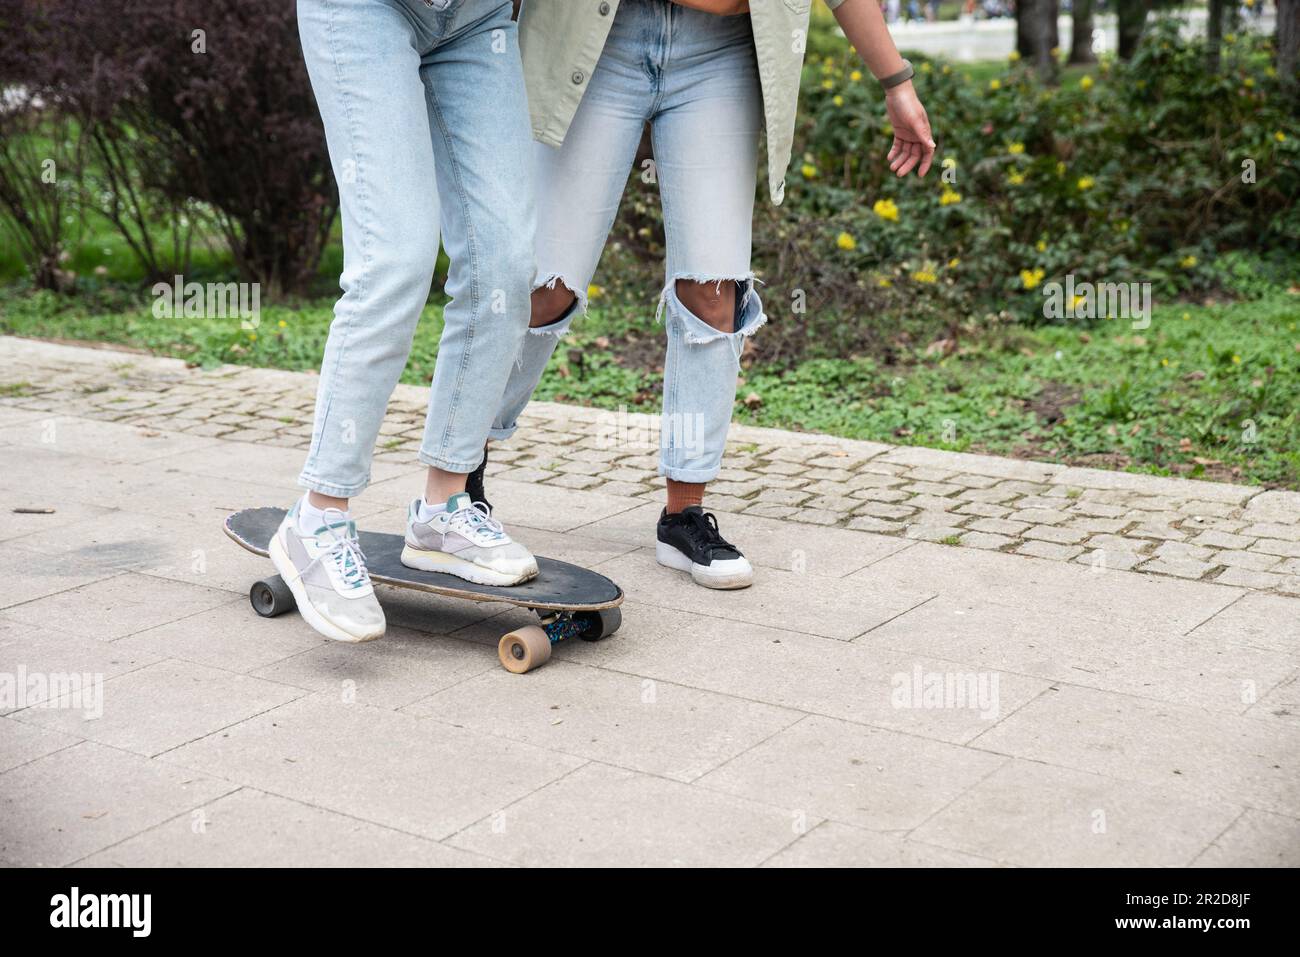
[(604, 9), (578, 77)]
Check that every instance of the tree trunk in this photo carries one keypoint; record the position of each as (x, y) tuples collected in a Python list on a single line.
[(1037, 35), (1132, 16), (1288, 40), (1081, 33), (1214, 34)]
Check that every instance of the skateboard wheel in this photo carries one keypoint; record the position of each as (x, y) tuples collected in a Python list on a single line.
[(270, 597), (524, 649), (600, 624)]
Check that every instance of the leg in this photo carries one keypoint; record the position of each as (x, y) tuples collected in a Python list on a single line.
[(706, 144), (706, 147), (485, 177), (579, 186), (366, 77)]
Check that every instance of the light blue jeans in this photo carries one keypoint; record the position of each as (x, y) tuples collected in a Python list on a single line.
[(426, 120), (694, 77)]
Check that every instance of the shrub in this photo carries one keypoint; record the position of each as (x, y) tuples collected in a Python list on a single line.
[(183, 103)]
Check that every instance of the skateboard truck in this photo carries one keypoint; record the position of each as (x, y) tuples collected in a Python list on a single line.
[(529, 647)]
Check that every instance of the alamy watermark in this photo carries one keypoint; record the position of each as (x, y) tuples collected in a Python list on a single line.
[(1102, 300), (209, 300), (921, 689), (645, 431), (38, 689)]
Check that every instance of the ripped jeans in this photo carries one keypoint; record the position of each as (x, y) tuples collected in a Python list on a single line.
[(694, 77)]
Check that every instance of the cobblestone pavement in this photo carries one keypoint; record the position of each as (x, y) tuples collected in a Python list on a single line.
[(1206, 531), (945, 659)]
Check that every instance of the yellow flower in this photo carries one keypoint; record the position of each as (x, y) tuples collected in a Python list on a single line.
[(1013, 56), (283, 324), (594, 291), (949, 162), (1085, 182), (948, 197), (1280, 136), (1248, 82), (1085, 83), (1015, 149), (252, 337), (924, 275), (954, 263), (1236, 360), (808, 170), (855, 75), (1031, 277), (837, 100), (995, 84), (1076, 302), (886, 209), (1164, 362), (827, 85), (884, 282), (926, 68), (1186, 316), (1042, 245), (1060, 169), (1188, 262), (1015, 179), (845, 241)]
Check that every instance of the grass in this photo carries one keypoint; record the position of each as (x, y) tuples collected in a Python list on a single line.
[(1207, 391)]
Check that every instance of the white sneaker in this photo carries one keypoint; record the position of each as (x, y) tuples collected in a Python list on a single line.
[(327, 574), (464, 540)]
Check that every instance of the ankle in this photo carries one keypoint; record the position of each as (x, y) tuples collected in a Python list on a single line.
[(682, 495)]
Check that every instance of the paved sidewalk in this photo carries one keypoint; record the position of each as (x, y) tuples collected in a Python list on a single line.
[(947, 659)]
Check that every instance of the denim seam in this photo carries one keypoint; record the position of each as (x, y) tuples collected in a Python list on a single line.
[(366, 236), (449, 430)]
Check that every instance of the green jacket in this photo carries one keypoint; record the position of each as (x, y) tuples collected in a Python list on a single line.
[(561, 41)]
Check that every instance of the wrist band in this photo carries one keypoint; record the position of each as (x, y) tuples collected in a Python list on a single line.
[(902, 76)]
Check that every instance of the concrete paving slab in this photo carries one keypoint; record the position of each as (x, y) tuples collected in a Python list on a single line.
[(877, 779), (118, 606), (1209, 757), (636, 723), (610, 817), (831, 844), (78, 800), (408, 773), (162, 706), (253, 829), (833, 608), (1037, 815)]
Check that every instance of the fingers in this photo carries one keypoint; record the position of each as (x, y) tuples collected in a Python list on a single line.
[(898, 154), (913, 157)]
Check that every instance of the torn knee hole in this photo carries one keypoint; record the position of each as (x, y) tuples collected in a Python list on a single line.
[(716, 303), (551, 303)]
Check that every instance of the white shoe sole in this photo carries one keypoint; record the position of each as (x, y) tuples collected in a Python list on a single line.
[(447, 564), (734, 573), (283, 565)]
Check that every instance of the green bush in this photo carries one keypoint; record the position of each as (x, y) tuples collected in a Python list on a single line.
[(1131, 174)]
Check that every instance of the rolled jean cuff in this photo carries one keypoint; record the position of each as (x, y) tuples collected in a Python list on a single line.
[(503, 433), (335, 491), (690, 475), (448, 465)]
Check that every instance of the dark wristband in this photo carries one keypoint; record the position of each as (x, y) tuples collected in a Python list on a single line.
[(902, 76)]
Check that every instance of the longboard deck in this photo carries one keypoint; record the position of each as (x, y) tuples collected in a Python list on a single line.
[(558, 586)]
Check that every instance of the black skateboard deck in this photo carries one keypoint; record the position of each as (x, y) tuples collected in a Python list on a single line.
[(571, 601)]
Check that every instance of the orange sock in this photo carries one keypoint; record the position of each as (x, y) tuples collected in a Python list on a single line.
[(683, 494)]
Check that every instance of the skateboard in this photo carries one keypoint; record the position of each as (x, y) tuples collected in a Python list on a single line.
[(570, 601)]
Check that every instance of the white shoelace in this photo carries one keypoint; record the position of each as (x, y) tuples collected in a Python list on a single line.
[(344, 551), (479, 516)]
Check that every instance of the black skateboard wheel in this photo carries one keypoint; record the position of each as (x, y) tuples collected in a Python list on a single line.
[(270, 597), (600, 624)]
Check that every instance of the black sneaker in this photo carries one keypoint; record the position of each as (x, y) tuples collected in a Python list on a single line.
[(690, 541), (474, 483)]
